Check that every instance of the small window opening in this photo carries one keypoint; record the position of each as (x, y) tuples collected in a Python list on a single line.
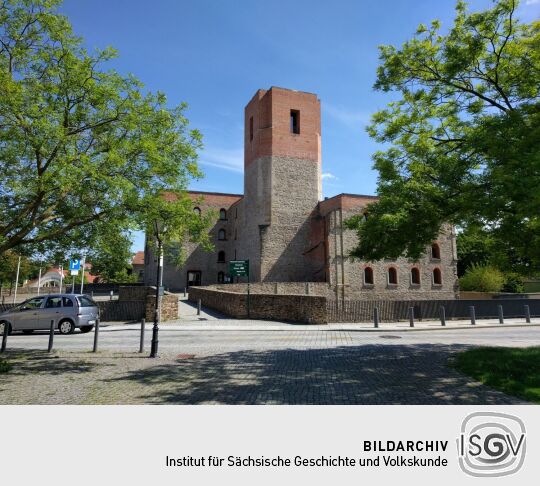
[(368, 276), (435, 251), (250, 128), (221, 234), (221, 257), (197, 210), (295, 121), (222, 214), (437, 277), (221, 277), (392, 276), (415, 276)]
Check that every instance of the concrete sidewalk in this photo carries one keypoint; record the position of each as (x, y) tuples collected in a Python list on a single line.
[(257, 325)]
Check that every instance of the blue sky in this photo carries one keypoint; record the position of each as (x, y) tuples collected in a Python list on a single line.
[(215, 54)]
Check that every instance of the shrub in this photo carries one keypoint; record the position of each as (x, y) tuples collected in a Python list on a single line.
[(482, 278), (4, 366), (513, 282)]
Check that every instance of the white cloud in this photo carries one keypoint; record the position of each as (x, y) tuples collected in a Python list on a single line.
[(531, 2), (329, 175), (346, 116), (226, 159)]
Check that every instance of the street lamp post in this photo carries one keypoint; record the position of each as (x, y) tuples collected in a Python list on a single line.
[(159, 280)]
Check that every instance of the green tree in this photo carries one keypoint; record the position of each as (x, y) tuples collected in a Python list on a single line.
[(111, 257), (84, 151), (463, 137), (8, 268), (482, 278)]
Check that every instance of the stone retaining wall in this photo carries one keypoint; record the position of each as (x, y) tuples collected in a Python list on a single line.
[(308, 309), (169, 306), (147, 294), (321, 289)]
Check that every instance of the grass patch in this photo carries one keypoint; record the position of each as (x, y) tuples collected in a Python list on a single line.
[(514, 371), (4, 366)]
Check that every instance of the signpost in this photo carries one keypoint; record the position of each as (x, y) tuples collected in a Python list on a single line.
[(82, 278), (74, 267), (240, 268)]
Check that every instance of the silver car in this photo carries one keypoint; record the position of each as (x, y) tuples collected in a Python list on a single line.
[(68, 311)]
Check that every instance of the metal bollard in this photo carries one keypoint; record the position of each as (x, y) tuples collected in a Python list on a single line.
[(141, 346), (443, 316), (96, 336), (4, 337), (111, 295), (376, 317), (473, 315), (527, 314), (51, 337), (501, 315), (411, 316), (199, 307), (185, 291)]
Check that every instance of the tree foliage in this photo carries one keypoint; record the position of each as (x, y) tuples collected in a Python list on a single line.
[(482, 278), (463, 137), (84, 151), (8, 268)]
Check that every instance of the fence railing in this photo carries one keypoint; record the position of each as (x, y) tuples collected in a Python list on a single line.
[(125, 310), (398, 310)]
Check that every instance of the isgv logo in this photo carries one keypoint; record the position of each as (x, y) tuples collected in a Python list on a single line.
[(491, 444)]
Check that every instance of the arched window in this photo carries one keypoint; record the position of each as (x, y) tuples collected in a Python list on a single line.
[(197, 210), (221, 234), (368, 276), (415, 276), (437, 276), (392, 276), (222, 214), (221, 277), (221, 256), (435, 251)]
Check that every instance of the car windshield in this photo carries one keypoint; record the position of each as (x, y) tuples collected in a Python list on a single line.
[(86, 301)]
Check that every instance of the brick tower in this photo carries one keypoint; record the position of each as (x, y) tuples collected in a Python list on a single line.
[(282, 183)]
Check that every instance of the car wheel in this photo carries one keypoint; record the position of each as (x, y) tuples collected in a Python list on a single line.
[(28, 331), (66, 327), (2, 324), (85, 329)]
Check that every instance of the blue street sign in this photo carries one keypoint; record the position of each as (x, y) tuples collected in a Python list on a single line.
[(75, 264)]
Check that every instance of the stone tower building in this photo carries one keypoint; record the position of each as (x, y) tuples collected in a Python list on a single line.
[(282, 182), (285, 228)]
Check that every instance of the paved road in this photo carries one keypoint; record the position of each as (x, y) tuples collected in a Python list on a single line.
[(126, 338), (254, 367)]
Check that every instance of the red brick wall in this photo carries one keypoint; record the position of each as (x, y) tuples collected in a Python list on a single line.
[(271, 125)]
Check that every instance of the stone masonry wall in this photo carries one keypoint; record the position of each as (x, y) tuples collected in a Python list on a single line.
[(284, 288), (306, 309), (196, 259), (169, 306), (147, 294), (353, 269)]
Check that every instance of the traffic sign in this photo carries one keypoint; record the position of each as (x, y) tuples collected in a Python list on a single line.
[(74, 266), (239, 268)]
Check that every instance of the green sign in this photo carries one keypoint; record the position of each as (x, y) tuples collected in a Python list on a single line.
[(239, 268)]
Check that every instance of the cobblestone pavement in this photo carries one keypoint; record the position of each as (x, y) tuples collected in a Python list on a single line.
[(229, 367)]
